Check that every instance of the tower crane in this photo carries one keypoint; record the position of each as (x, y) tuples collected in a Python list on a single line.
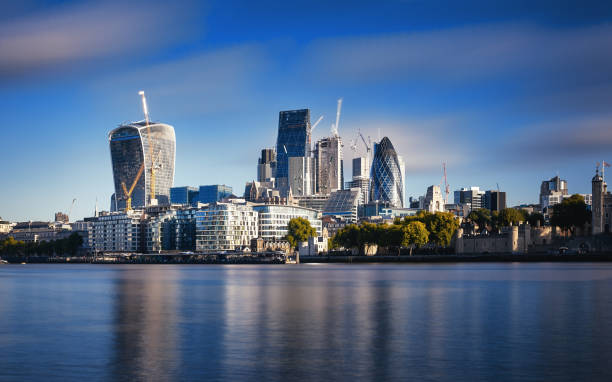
[(316, 123), (128, 193), (145, 109), (334, 128), (368, 147), (70, 210), (446, 186)]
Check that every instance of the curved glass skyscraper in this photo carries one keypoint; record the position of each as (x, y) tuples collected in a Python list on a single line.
[(129, 147), (387, 175)]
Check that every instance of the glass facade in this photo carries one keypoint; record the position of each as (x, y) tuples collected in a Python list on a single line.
[(129, 147), (343, 203), (184, 195), (386, 177), (214, 193), (293, 139)]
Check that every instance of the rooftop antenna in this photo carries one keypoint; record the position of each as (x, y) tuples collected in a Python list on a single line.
[(334, 128)]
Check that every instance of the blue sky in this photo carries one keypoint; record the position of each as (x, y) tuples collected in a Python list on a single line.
[(508, 92)]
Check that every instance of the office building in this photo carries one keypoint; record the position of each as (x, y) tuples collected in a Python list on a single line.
[(185, 229), (471, 197), (134, 154), (328, 165), (344, 204), (362, 183), (387, 178), (37, 231), (266, 165), (315, 202), (225, 227), (214, 193), (293, 141), (160, 232), (361, 167), (552, 192), (187, 196), (300, 170), (494, 200), (273, 219)]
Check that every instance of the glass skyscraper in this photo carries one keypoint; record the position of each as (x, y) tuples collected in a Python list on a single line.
[(386, 176), (293, 141), (214, 193), (130, 148)]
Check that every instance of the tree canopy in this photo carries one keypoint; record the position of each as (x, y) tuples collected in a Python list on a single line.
[(299, 230), (67, 246), (572, 212)]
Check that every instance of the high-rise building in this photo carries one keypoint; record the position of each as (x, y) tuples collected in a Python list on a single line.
[(214, 193), (552, 192), (471, 197), (131, 149), (266, 165), (387, 178), (363, 183), (329, 165), (184, 195), (293, 141), (494, 200), (361, 167), (300, 170)]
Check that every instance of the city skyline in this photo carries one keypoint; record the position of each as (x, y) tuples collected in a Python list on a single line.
[(496, 114)]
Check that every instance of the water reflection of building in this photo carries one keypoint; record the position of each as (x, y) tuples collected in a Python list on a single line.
[(146, 326)]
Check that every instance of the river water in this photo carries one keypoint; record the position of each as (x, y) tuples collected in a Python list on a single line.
[(441, 322)]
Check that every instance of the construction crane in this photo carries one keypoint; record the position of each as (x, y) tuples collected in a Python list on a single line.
[(316, 123), (128, 193), (145, 109), (446, 185), (70, 210), (368, 147), (334, 128)]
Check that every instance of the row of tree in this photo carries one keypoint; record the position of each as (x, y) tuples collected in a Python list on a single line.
[(67, 246), (411, 232), (570, 214)]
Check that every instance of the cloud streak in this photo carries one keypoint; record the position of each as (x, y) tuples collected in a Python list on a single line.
[(88, 32)]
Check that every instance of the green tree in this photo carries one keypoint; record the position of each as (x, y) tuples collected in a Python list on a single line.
[(299, 230), (415, 234), (570, 213), (481, 216), (534, 218), (509, 216)]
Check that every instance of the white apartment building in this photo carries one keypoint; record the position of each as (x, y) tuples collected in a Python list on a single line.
[(273, 219), (117, 232), (225, 226)]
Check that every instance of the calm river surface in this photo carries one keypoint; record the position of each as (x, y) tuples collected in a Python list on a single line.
[(441, 322)]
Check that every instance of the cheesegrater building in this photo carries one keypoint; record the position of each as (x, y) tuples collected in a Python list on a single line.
[(131, 148)]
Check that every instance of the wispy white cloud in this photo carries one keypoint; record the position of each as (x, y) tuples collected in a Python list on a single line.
[(465, 54), (72, 34)]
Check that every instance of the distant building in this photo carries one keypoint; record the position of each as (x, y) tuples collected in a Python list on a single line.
[(362, 183), (214, 193), (494, 200), (293, 141), (160, 232), (185, 229), (433, 200), (343, 203), (387, 177), (471, 197), (131, 148), (300, 170), (276, 245), (266, 165), (315, 202), (263, 192), (184, 195), (273, 219), (6, 226), (225, 227), (37, 231), (552, 192), (313, 247), (117, 232), (61, 217), (361, 167), (329, 165)]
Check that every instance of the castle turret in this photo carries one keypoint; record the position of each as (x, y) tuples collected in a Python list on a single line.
[(599, 190)]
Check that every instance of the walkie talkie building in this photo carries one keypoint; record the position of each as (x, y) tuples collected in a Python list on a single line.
[(129, 148), (386, 176)]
